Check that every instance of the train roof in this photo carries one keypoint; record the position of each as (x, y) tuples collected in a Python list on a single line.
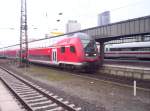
[(53, 41), (82, 36), (129, 45)]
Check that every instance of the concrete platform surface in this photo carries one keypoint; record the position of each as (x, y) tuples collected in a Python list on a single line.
[(127, 71), (7, 102)]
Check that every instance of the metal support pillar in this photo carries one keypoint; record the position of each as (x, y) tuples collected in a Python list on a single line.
[(23, 53), (101, 52)]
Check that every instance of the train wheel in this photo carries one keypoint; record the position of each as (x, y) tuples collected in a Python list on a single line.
[(90, 69), (61, 66), (69, 67)]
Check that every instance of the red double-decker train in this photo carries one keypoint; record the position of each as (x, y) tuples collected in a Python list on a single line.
[(77, 51)]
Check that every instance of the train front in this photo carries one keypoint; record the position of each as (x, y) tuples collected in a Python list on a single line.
[(91, 60)]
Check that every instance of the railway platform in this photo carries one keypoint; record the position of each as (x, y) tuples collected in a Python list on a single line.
[(126, 71), (7, 102)]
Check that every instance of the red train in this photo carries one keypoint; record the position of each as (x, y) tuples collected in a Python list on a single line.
[(77, 51)]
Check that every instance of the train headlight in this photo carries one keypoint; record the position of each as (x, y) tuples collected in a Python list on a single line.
[(95, 54), (86, 54)]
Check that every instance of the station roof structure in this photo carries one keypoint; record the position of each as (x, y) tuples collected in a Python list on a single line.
[(132, 27)]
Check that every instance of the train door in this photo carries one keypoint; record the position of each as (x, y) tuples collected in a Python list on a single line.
[(54, 55)]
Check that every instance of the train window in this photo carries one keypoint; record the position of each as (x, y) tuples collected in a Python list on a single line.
[(62, 49), (134, 49), (111, 49), (144, 49), (125, 49), (40, 57), (72, 49), (115, 49), (107, 49)]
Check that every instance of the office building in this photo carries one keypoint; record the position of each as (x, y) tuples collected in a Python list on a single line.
[(104, 18), (72, 26)]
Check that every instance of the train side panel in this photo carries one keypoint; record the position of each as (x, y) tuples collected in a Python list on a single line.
[(73, 51), (40, 55), (11, 54)]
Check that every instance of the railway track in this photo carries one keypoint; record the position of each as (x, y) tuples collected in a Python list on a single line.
[(33, 97)]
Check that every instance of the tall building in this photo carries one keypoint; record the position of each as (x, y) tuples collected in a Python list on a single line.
[(72, 26), (104, 18)]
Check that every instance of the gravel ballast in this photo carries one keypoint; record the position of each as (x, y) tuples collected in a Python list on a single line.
[(90, 94)]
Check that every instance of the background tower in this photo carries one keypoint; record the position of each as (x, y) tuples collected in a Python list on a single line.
[(104, 18)]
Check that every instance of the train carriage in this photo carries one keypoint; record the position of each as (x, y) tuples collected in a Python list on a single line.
[(138, 50), (74, 52)]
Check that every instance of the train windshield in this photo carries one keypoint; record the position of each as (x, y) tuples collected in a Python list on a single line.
[(89, 44)]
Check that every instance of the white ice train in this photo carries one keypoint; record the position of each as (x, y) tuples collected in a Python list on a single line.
[(137, 50)]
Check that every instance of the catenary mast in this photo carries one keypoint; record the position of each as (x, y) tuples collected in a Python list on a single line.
[(23, 55)]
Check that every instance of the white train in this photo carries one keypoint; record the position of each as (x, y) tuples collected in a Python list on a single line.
[(138, 50)]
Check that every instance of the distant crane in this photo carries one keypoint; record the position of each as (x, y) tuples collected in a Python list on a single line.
[(23, 54)]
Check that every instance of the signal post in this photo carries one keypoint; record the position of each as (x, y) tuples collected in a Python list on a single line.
[(23, 53)]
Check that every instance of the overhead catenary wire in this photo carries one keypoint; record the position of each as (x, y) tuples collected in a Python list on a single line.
[(114, 9)]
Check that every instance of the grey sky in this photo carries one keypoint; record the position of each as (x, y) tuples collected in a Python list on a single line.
[(42, 15)]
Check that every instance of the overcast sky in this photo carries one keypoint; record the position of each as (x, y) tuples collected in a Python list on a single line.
[(42, 15)]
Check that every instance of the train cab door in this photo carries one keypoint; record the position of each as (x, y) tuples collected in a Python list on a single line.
[(54, 56)]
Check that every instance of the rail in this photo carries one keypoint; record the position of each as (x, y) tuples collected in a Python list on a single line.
[(33, 97)]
